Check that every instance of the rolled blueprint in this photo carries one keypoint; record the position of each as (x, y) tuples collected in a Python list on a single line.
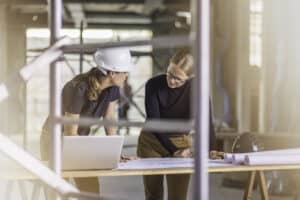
[(228, 157), (272, 159), (239, 158)]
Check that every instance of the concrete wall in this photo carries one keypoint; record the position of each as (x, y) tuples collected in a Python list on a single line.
[(3, 57), (230, 62), (12, 57), (281, 66)]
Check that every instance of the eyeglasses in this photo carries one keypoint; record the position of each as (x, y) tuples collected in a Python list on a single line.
[(177, 80)]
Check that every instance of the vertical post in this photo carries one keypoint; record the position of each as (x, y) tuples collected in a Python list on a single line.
[(55, 82), (242, 84), (25, 135), (81, 53), (200, 34)]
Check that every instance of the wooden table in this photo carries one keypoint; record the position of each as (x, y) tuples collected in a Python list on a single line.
[(254, 172)]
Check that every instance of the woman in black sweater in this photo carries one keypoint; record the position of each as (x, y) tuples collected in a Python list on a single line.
[(168, 96)]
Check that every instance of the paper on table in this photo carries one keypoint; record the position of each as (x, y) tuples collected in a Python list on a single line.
[(219, 163), (157, 163), (166, 163), (239, 158), (228, 157), (272, 159)]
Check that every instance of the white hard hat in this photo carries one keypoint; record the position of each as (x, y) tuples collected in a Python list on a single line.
[(114, 59)]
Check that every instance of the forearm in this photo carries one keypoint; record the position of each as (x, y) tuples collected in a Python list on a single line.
[(110, 116), (166, 142), (72, 129), (110, 130), (212, 133)]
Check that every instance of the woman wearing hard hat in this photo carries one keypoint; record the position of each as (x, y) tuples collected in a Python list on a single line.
[(93, 94), (168, 96)]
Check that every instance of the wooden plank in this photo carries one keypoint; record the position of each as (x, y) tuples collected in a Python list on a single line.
[(249, 187), (244, 168), (91, 173), (21, 174), (263, 185)]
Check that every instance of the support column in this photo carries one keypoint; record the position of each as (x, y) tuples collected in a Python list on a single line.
[(3, 59), (243, 97), (16, 58), (12, 57)]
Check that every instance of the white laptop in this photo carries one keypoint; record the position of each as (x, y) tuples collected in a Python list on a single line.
[(91, 152)]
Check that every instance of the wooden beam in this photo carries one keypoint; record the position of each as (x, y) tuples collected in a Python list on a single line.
[(249, 186), (263, 185)]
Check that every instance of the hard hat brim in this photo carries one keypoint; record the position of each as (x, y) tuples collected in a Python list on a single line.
[(127, 68)]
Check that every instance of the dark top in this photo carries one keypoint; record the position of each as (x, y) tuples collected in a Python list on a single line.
[(75, 101), (170, 103)]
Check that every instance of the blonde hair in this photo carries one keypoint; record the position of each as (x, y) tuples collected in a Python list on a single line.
[(184, 60), (94, 79)]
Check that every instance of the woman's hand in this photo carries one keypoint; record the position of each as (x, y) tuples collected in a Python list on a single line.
[(183, 153), (125, 158), (214, 155)]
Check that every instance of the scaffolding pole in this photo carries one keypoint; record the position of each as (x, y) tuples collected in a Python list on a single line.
[(158, 42), (55, 18), (150, 125), (81, 53), (200, 34)]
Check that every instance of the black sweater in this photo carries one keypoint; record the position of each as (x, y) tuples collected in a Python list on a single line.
[(162, 102)]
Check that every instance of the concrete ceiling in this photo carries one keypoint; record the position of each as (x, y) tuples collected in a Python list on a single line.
[(102, 13)]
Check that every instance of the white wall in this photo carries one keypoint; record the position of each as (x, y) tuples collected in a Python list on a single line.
[(281, 65)]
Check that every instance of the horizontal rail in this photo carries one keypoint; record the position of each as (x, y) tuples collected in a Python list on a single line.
[(158, 42), (34, 166), (37, 51), (150, 125), (90, 196), (39, 170)]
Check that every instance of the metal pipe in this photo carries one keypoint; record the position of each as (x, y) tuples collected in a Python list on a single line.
[(55, 86), (200, 34), (153, 125), (81, 43), (89, 196), (158, 42), (25, 134), (34, 166)]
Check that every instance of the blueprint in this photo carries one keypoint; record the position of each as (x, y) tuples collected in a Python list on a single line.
[(166, 163)]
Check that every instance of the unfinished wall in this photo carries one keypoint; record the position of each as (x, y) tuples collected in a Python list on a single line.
[(281, 61), (232, 76), (12, 57), (3, 57)]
